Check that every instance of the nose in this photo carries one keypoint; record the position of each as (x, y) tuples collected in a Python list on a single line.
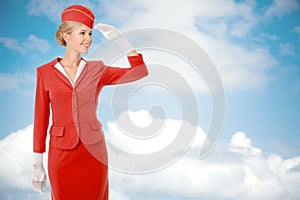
[(88, 38)]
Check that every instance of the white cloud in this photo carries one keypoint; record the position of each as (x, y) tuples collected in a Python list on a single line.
[(115, 195), (52, 8), (237, 170), (287, 49), (241, 67), (215, 25), (144, 143), (243, 145), (25, 46), (295, 87), (37, 44), (12, 44), (282, 7), (14, 81), (16, 162), (297, 30)]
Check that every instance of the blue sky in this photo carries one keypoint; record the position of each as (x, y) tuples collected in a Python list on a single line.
[(255, 45)]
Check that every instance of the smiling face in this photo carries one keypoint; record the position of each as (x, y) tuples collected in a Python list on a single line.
[(79, 40)]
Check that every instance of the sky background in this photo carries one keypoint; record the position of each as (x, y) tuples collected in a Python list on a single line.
[(255, 45)]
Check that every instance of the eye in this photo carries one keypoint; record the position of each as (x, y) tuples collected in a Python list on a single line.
[(82, 33), (90, 33)]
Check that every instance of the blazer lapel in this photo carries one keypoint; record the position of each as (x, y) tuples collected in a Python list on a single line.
[(59, 74), (81, 76), (64, 78)]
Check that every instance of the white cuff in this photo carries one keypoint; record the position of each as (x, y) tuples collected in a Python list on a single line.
[(37, 158)]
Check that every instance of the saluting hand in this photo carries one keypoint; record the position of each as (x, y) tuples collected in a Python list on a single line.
[(112, 33)]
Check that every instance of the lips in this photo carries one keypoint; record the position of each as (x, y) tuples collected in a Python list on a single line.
[(87, 45)]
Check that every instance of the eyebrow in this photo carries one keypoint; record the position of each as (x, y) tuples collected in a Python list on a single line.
[(85, 30)]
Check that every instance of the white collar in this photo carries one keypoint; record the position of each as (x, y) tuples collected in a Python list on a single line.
[(79, 70)]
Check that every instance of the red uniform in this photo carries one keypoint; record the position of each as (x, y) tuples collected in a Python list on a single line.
[(77, 160)]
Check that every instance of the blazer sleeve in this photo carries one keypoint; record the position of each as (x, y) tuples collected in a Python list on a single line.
[(117, 75), (41, 116)]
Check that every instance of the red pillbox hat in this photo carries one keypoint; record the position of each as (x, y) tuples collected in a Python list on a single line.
[(78, 13)]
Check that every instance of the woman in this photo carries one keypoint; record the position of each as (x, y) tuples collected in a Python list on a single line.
[(77, 159)]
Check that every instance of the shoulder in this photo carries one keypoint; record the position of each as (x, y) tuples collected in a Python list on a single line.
[(95, 64), (47, 66)]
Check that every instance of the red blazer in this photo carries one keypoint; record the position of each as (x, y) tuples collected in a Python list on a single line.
[(74, 108)]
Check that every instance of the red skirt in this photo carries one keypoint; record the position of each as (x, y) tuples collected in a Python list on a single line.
[(76, 174)]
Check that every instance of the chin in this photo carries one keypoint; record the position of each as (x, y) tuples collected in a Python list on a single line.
[(84, 52)]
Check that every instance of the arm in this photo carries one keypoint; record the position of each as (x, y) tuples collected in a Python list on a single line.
[(41, 121), (115, 75), (41, 116)]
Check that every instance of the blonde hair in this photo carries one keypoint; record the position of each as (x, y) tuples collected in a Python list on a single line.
[(65, 27)]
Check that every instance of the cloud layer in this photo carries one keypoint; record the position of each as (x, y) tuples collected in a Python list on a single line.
[(235, 170), (25, 46), (14, 81), (282, 7), (227, 30), (223, 28), (16, 162)]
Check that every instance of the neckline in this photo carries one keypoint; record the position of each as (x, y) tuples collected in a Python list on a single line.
[(61, 69)]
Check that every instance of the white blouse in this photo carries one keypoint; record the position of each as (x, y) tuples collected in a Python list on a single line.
[(79, 70)]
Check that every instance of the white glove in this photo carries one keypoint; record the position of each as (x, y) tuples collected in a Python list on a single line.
[(112, 33), (38, 173)]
